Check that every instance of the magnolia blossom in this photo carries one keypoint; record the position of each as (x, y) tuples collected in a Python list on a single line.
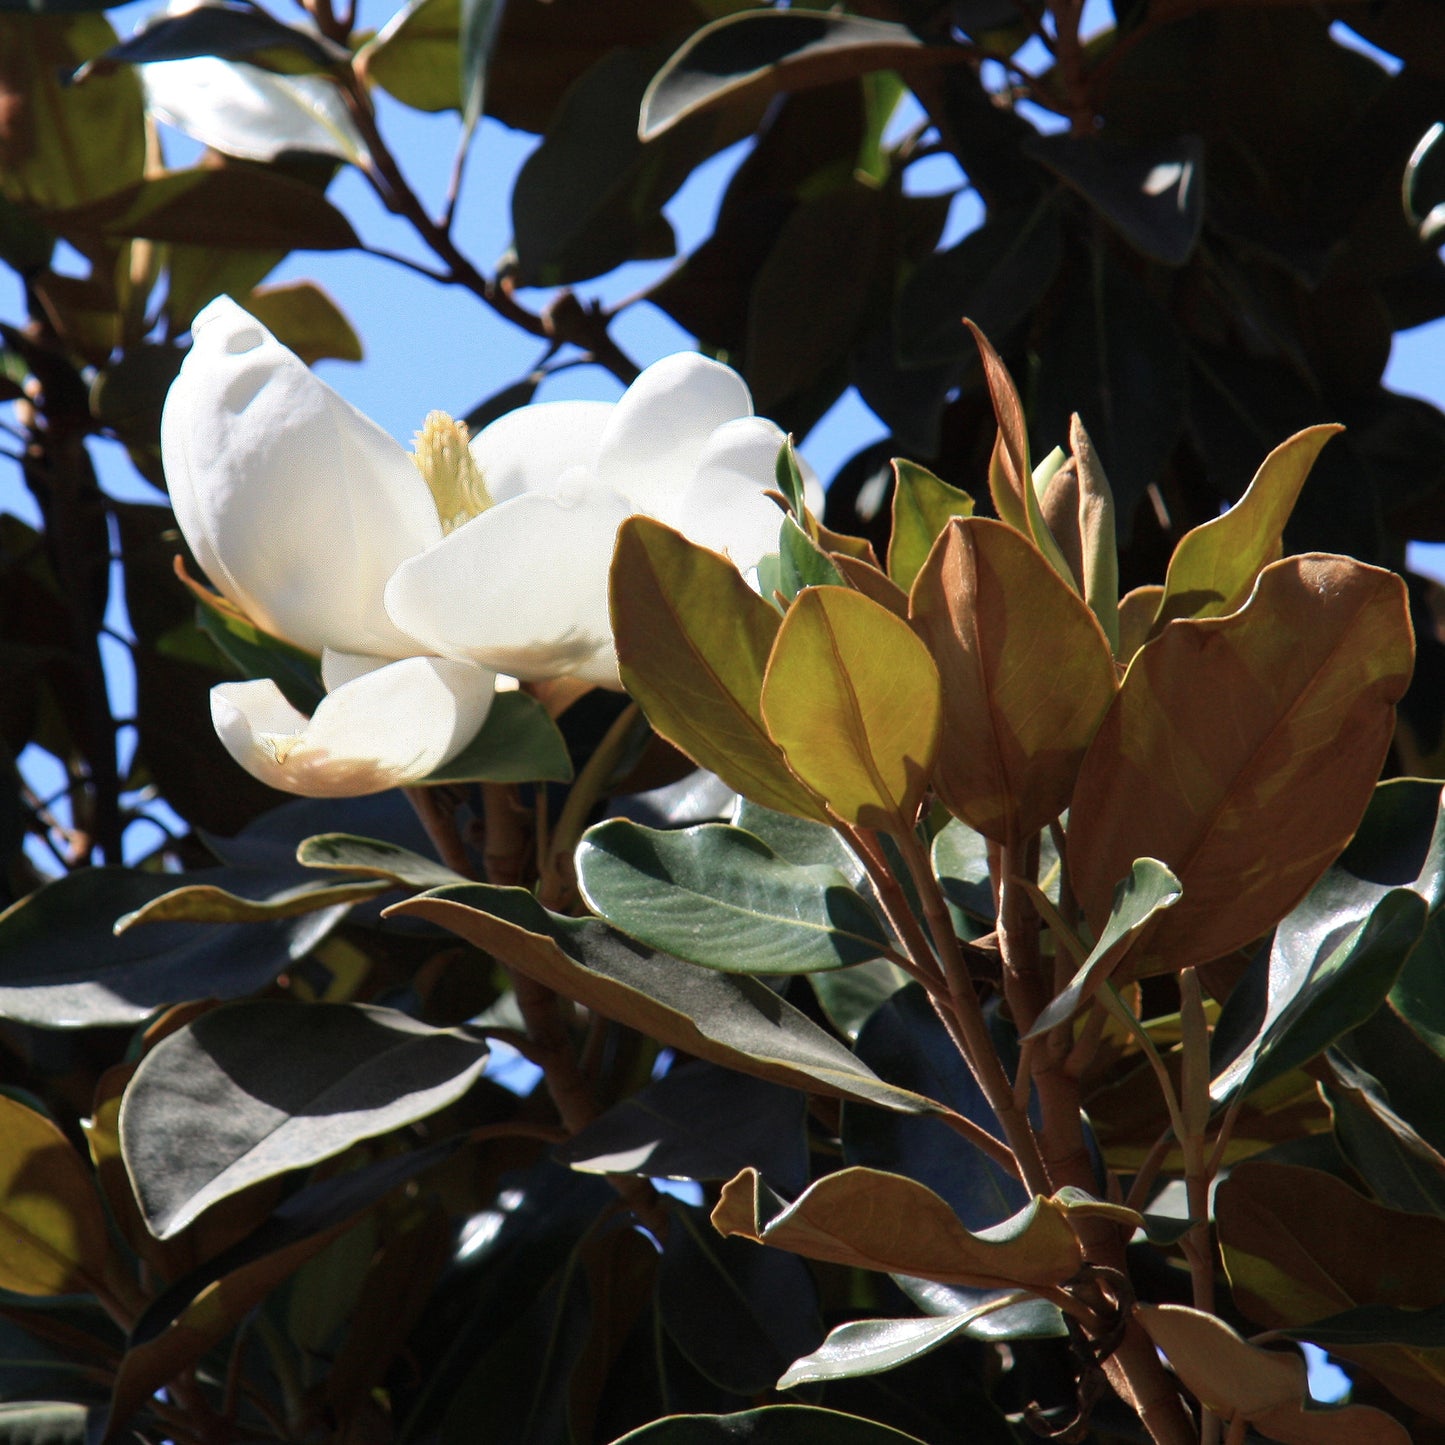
[(419, 577)]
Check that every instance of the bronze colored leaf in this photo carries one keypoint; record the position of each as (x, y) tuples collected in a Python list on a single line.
[(1078, 509), (1137, 610), (692, 644), (1242, 751), (868, 1219), (1027, 676), (852, 698)]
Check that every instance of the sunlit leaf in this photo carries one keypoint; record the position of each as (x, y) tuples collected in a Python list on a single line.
[(720, 897), (922, 507), (851, 696), (301, 316), (416, 56), (227, 31), (345, 853), (1249, 815), (1027, 676)]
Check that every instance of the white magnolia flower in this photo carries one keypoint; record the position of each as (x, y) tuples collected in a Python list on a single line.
[(419, 578)]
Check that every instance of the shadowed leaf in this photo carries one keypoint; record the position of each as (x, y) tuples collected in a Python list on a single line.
[(772, 1425)]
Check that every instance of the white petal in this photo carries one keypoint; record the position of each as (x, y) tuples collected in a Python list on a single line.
[(244, 111), (387, 729), (658, 431), (521, 589), (339, 668), (724, 506), (296, 505), (533, 448)]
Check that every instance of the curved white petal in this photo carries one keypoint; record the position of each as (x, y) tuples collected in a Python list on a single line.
[(521, 589), (724, 506), (533, 448), (244, 111), (658, 431), (386, 729), (297, 506)]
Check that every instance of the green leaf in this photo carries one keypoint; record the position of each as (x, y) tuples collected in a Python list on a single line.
[(481, 23), (851, 696), (416, 56), (235, 207), (850, 996), (301, 316), (1149, 887), (760, 52), (719, 897), (345, 853), (231, 33), (256, 654), (725, 1018), (1214, 567), (771, 1425), (1320, 988), (206, 903), (1153, 195), (922, 507), (1421, 1329), (518, 743), (64, 968), (1027, 676), (802, 563), (254, 1090), (1248, 817), (53, 1237), (789, 477), (869, 1347), (693, 641)]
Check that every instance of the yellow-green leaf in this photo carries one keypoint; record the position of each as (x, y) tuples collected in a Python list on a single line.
[(852, 698), (869, 1219), (1242, 751), (922, 507), (1214, 566), (692, 645), (415, 56), (1027, 676), (302, 316), (52, 1229)]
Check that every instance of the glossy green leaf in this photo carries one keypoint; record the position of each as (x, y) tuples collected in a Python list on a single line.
[(245, 207), (1247, 816), (1214, 567), (719, 897), (851, 696), (232, 34), (81, 142), (761, 52), (789, 477), (53, 1237), (771, 1425), (416, 55), (867, 1219), (518, 743), (725, 1018), (64, 968), (1148, 888), (207, 903), (1153, 195), (345, 853), (1319, 988), (1027, 677), (868, 1347), (692, 644), (257, 654), (801, 563), (850, 996), (922, 507), (254, 1090)]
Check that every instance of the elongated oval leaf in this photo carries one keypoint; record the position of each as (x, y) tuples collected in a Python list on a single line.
[(344, 853), (720, 897), (1214, 567), (1242, 751), (1027, 676), (692, 644), (53, 1237), (205, 903), (226, 31), (771, 1425), (867, 1219), (764, 51), (852, 698), (728, 1019), (922, 507), (251, 1091), (416, 55)]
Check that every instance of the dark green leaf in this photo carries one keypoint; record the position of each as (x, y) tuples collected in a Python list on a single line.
[(254, 1090), (790, 478), (726, 1018), (518, 743), (848, 996), (231, 32), (772, 1425), (257, 654), (344, 853), (1422, 1329), (64, 968), (1424, 190), (510, 398), (1152, 195)]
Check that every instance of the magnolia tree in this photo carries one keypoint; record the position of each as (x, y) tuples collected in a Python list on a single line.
[(939, 965)]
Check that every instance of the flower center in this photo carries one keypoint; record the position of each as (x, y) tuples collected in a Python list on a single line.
[(442, 456)]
